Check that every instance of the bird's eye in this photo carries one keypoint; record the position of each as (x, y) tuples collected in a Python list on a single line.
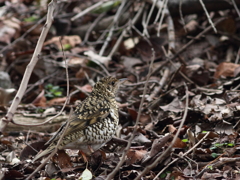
[(112, 83)]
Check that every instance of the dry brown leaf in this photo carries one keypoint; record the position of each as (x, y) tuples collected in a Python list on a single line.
[(179, 144), (64, 161), (9, 28), (225, 69), (72, 41), (40, 100), (134, 156), (57, 101)]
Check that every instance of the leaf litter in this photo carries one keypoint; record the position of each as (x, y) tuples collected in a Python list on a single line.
[(207, 145)]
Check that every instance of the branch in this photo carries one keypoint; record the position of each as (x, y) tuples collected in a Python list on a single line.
[(23, 86)]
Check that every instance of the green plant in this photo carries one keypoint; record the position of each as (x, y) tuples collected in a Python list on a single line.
[(52, 91)]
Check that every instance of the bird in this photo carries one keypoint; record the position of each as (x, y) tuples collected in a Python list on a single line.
[(93, 123)]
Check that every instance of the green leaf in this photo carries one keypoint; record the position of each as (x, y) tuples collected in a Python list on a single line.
[(31, 19), (48, 86), (105, 7), (214, 155), (67, 47), (58, 93), (163, 175), (184, 140), (218, 145), (210, 167)]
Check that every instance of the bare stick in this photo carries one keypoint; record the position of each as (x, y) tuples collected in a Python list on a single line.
[(188, 44), (65, 103), (145, 25), (110, 33), (181, 16), (161, 19), (54, 151), (69, 120), (23, 86), (175, 160), (112, 174), (88, 10), (162, 82), (236, 8), (207, 14), (125, 31), (92, 27), (168, 150)]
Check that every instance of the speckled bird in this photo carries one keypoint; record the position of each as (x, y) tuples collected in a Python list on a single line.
[(93, 123)]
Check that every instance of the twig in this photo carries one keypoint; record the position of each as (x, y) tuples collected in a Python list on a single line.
[(160, 8), (69, 118), (161, 19), (141, 83), (54, 151), (145, 25), (92, 26), (110, 33), (236, 8), (88, 10), (181, 16), (111, 175), (171, 33), (168, 150), (237, 57), (65, 103), (162, 82), (125, 31), (209, 19), (188, 44), (23, 86), (175, 160), (40, 81)]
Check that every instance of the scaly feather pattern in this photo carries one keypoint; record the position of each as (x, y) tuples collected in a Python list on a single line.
[(93, 123)]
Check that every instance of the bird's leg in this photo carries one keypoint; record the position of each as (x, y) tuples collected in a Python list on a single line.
[(90, 149), (83, 155)]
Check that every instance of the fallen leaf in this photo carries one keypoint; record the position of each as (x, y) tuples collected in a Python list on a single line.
[(134, 156), (67, 42), (86, 175), (226, 69)]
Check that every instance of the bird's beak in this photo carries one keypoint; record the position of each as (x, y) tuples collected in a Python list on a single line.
[(122, 80)]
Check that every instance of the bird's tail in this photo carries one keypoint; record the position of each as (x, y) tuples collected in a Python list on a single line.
[(43, 153)]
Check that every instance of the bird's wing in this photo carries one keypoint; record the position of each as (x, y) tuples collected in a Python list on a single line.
[(84, 116), (81, 122)]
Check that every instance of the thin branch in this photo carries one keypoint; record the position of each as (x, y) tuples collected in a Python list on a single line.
[(92, 27), (112, 174), (110, 33), (145, 25), (188, 44), (115, 47), (162, 82), (181, 16), (54, 151), (236, 8), (168, 150), (161, 19), (23, 86), (186, 153), (207, 14), (88, 9), (69, 120)]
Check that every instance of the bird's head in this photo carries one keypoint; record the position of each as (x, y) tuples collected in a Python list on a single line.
[(108, 85)]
